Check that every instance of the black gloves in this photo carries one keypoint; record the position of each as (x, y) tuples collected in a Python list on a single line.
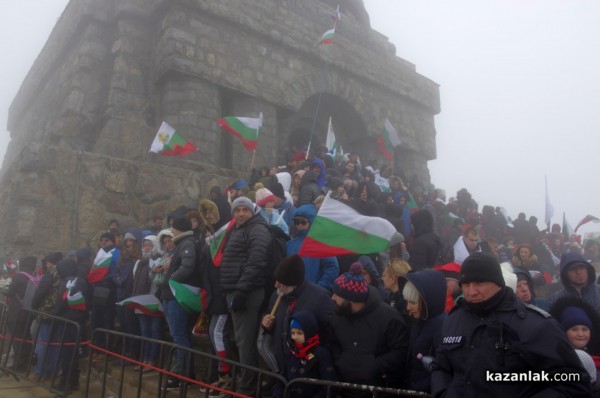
[(236, 301)]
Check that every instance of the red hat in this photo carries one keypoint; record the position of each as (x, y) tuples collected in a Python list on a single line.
[(450, 270)]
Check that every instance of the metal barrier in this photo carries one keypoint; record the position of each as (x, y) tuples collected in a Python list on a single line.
[(197, 371), (39, 347), (335, 388)]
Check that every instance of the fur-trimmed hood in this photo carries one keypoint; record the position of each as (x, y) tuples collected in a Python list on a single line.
[(208, 209), (164, 232)]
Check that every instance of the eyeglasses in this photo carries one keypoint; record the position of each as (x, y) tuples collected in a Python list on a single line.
[(300, 222)]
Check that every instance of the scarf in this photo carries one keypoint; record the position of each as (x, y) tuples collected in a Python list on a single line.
[(301, 350)]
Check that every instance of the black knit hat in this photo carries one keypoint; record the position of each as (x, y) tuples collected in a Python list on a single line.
[(182, 224), (108, 235), (481, 267), (290, 271), (351, 285), (277, 190)]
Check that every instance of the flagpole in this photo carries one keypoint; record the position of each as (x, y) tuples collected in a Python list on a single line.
[(252, 165), (213, 163)]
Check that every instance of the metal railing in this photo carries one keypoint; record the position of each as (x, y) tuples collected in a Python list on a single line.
[(39, 347), (336, 388)]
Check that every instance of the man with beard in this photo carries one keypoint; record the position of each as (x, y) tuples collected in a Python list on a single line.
[(369, 340), (298, 294)]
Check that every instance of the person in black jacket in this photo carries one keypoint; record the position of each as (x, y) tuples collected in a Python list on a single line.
[(243, 282), (369, 340), (491, 332), (72, 297), (426, 247), (425, 295), (183, 270), (309, 190)]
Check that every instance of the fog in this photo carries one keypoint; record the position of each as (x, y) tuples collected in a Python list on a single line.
[(519, 86)]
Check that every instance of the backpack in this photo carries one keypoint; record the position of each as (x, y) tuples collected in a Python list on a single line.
[(32, 284)]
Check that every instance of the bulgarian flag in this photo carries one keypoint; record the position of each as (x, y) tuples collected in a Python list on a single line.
[(330, 142), (216, 243), (245, 128), (187, 296), (339, 229), (327, 37), (168, 142), (74, 301), (101, 266), (586, 220), (147, 304), (387, 140)]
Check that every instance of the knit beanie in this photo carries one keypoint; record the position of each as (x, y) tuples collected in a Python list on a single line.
[(450, 270), (294, 324), (572, 316), (182, 224), (242, 202), (410, 292), (55, 257), (129, 235), (278, 190), (28, 263), (290, 271), (108, 235), (351, 285), (481, 267), (264, 196)]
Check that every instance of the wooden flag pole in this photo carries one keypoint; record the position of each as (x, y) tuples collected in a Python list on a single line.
[(252, 165), (213, 163)]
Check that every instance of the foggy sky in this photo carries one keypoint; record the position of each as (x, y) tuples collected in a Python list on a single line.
[(519, 86)]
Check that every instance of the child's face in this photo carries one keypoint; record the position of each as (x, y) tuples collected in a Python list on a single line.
[(298, 336)]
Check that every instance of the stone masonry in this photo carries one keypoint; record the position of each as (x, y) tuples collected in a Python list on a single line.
[(113, 70)]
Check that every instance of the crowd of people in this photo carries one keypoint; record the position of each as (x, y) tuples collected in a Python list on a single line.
[(466, 293)]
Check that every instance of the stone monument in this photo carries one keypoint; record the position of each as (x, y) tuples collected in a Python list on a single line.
[(111, 71)]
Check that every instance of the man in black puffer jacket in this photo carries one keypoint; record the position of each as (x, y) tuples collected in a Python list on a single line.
[(243, 281), (426, 247)]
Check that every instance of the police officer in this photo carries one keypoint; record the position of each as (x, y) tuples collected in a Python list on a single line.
[(491, 339)]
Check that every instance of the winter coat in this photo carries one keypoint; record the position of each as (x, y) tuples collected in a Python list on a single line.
[(322, 177), (183, 266), (44, 298), (123, 275), (316, 364), (557, 309), (245, 256), (272, 217), (322, 271), (427, 246), (306, 297), (589, 293), (506, 338), (541, 303), (369, 266), (211, 277), (370, 346), (426, 333), (309, 190), (67, 272)]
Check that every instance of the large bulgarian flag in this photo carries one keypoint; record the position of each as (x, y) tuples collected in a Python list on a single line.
[(339, 229), (187, 296), (101, 266), (216, 243), (168, 142), (147, 304), (245, 128), (327, 37), (387, 140)]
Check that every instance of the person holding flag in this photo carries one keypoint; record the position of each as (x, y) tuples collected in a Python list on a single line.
[(176, 295)]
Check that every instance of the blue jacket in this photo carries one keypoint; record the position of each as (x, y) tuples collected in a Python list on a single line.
[(322, 271)]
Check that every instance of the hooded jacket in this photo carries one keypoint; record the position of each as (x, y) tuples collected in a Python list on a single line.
[(370, 346), (309, 190), (538, 302), (143, 276), (67, 272), (589, 293), (322, 177), (427, 246), (426, 333), (322, 271)]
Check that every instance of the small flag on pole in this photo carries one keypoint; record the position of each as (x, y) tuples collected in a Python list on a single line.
[(585, 220), (327, 37), (330, 142), (337, 17), (549, 212), (168, 142), (216, 243), (387, 140), (245, 128)]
